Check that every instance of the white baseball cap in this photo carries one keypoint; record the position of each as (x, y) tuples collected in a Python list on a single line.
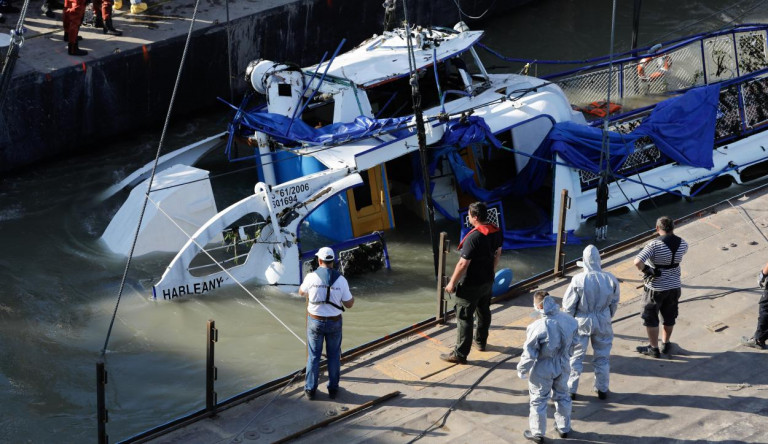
[(325, 254)]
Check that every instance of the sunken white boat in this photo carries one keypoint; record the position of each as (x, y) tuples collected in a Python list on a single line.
[(337, 148)]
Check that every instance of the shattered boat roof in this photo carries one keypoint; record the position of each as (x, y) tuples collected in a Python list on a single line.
[(383, 58)]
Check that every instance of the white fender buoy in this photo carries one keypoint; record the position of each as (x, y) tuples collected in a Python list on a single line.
[(274, 272)]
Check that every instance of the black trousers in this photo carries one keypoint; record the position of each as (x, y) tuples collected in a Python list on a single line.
[(761, 334)]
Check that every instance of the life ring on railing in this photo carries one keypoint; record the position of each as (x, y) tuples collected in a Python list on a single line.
[(661, 68)]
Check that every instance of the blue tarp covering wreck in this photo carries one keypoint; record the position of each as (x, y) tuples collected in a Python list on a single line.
[(682, 127)]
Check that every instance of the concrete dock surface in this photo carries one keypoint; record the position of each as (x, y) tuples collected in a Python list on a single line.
[(709, 389)]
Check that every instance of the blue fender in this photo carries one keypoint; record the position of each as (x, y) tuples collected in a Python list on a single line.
[(502, 281)]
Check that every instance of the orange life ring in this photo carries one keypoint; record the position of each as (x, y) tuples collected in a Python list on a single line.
[(663, 67)]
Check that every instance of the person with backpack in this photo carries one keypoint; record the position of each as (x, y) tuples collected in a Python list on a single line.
[(327, 294), (659, 261)]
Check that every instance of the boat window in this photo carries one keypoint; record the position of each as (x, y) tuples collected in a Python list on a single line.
[(459, 73), (497, 165), (362, 193), (320, 112), (284, 89), (393, 99)]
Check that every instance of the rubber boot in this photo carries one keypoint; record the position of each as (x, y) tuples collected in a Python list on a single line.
[(109, 28), (74, 50), (138, 8), (47, 11), (98, 22)]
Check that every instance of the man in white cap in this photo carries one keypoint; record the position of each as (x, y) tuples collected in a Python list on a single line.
[(327, 294)]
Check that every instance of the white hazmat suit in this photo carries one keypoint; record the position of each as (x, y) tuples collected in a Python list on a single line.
[(545, 361), (592, 298)]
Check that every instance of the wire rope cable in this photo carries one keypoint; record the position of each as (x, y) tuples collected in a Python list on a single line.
[(151, 178), (157, 205), (462, 13), (17, 41)]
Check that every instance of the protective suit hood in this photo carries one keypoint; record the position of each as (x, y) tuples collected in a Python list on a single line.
[(591, 259), (550, 306)]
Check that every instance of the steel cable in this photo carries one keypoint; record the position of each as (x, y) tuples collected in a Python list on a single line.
[(151, 178), (225, 270)]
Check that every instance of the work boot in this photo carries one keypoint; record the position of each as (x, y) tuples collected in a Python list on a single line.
[(332, 393), (649, 351), (138, 8), (118, 4), (752, 343), (98, 22), (531, 437), (74, 50), (601, 394), (46, 11), (453, 358), (666, 347), (110, 29), (66, 37)]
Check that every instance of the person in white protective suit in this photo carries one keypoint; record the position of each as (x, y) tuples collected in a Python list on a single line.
[(545, 362), (592, 298)]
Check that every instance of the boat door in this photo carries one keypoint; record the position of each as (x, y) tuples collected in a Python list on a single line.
[(369, 204)]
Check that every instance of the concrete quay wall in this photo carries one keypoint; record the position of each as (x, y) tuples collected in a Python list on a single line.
[(58, 105)]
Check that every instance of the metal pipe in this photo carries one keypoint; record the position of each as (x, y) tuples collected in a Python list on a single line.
[(210, 368), (337, 418), (102, 416), (561, 237), (444, 242)]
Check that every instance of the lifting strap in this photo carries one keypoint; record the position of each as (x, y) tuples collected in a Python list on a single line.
[(332, 276), (673, 243)]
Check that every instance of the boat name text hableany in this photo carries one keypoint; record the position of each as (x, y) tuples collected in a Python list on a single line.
[(196, 288)]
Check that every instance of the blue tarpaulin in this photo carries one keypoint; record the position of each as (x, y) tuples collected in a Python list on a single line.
[(280, 127), (682, 127)]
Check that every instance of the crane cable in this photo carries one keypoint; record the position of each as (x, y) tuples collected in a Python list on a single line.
[(157, 205), (151, 179), (17, 41)]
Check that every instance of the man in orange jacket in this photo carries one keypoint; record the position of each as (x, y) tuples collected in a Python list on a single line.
[(73, 18)]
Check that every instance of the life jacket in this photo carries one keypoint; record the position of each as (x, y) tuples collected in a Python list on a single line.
[(662, 66), (330, 276), (600, 108)]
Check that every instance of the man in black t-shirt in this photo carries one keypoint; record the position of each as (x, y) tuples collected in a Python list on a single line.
[(480, 252)]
